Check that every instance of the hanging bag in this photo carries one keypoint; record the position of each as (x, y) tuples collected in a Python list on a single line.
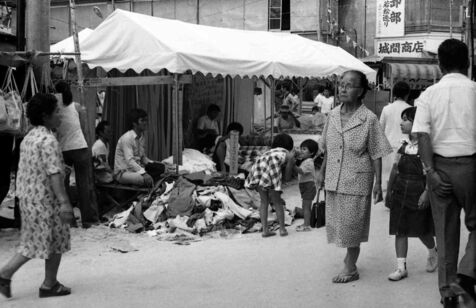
[(11, 108), (318, 211), (30, 83)]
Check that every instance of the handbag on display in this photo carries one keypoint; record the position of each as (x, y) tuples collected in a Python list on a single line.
[(11, 106), (318, 211)]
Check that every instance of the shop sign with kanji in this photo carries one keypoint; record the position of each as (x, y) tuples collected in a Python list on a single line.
[(399, 48), (390, 18)]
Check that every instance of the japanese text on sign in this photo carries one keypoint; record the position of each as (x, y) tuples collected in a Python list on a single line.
[(400, 47), (390, 18)]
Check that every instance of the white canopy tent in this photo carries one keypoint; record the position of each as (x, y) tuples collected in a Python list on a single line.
[(67, 45), (127, 40)]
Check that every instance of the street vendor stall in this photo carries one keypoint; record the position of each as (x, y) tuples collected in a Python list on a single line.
[(146, 50)]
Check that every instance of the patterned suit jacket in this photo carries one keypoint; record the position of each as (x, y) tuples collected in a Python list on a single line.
[(351, 149)]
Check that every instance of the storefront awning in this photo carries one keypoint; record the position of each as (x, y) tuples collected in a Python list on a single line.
[(407, 71)]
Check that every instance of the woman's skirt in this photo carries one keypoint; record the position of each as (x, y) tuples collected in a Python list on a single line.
[(347, 219)]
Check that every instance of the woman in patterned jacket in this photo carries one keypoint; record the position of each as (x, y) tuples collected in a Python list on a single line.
[(354, 144), (45, 208)]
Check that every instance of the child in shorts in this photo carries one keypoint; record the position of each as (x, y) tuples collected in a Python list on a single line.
[(266, 176), (307, 179)]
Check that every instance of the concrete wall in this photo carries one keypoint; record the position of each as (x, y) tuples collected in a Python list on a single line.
[(238, 14)]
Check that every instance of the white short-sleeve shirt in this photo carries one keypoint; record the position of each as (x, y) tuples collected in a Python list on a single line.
[(447, 112)]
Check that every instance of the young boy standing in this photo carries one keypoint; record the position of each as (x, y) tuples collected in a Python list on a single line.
[(307, 179)]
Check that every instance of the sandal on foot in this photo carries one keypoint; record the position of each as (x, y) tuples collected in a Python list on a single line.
[(303, 228), (5, 287), (345, 278), (57, 290), (268, 234), (283, 232)]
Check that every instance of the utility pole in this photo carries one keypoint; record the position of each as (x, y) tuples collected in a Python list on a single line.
[(37, 30), (20, 25), (318, 26), (198, 12)]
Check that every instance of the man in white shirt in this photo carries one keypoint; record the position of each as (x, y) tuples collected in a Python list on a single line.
[(390, 119), (130, 161), (446, 125), (326, 101)]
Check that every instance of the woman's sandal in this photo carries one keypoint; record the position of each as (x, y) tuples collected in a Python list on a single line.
[(57, 290), (303, 228), (345, 278), (5, 287), (268, 234)]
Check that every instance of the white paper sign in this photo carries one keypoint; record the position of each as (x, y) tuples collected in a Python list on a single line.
[(400, 47), (390, 18)]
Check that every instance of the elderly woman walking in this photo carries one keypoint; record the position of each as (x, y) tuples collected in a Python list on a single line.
[(354, 144), (44, 204)]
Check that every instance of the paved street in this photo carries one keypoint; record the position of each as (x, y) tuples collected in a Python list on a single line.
[(240, 271)]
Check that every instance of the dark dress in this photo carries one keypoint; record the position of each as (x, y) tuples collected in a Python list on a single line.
[(405, 217)]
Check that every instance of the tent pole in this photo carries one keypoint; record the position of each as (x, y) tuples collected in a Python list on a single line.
[(176, 142), (264, 103), (300, 95), (272, 86)]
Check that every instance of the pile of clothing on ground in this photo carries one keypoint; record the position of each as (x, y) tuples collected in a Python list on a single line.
[(195, 203)]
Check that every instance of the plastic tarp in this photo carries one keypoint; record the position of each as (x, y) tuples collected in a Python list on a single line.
[(127, 40), (67, 45)]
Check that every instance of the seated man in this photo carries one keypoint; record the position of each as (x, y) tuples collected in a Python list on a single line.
[(208, 128), (287, 120), (131, 166), (102, 170)]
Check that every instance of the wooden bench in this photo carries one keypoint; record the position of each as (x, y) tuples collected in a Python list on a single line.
[(106, 190)]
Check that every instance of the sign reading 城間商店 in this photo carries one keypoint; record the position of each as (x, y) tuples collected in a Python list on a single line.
[(406, 47), (390, 18)]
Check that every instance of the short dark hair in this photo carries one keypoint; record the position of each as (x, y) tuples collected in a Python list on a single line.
[(234, 126), (39, 105), (364, 82), (283, 141), (134, 116), (101, 126), (315, 108), (401, 89), (311, 145), (62, 87), (453, 54), (213, 108), (410, 113)]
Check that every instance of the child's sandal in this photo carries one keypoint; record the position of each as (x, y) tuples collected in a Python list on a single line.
[(303, 228)]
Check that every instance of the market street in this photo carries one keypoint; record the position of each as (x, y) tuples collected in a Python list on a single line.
[(240, 271)]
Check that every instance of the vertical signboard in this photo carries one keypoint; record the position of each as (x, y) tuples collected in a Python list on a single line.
[(390, 18), (234, 151)]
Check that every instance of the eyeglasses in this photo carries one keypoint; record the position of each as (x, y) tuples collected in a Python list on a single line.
[(348, 86)]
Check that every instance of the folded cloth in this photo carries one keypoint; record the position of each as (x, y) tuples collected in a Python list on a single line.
[(228, 203), (181, 199)]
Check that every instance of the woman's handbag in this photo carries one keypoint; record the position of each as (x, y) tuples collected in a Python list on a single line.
[(318, 211)]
